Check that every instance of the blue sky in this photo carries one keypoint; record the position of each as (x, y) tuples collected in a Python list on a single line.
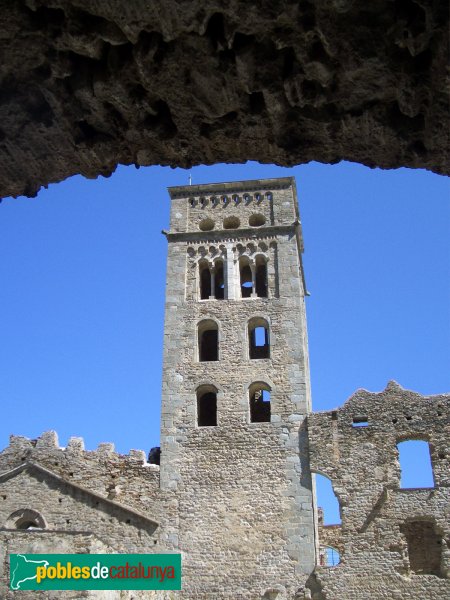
[(82, 275)]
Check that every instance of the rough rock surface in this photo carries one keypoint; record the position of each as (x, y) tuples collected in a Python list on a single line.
[(88, 84)]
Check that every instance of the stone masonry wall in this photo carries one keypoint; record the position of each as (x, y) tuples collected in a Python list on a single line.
[(377, 514), (126, 480), (244, 488)]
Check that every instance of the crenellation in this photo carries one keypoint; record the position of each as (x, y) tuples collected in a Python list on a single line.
[(75, 444), (49, 439)]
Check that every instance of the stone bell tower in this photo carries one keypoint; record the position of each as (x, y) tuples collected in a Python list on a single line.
[(236, 390)]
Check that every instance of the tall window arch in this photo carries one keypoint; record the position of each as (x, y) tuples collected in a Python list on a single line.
[(246, 277), (206, 406), (258, 338), (208, 340), (261, 276), (219, 279), (204, 279), (259, 402)]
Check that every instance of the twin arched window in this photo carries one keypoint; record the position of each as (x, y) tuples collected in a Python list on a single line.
[(208, 339), (259, 404), (212, 279), (253, 277)]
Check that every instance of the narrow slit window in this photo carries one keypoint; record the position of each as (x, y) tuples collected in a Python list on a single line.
[(246, 278), (205, 280), (219, 280), (261, 277), (259, 403), (206, 407), (208, 341), (258, 335)]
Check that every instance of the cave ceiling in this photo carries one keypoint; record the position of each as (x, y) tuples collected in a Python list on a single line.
[(89, 84)]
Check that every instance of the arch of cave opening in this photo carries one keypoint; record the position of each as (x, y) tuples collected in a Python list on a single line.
[(261, 277), (205, 280), (208, 341), (415, 464), (206, 406), (258, 337), (246, 277), (219, 280), (259, 400)]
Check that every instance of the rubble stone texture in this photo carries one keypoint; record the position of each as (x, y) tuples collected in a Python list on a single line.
[(234, 491), (395, 541), (243, 487), (87, 84)]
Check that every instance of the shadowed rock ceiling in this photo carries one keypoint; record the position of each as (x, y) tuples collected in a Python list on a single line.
[(88, 84)]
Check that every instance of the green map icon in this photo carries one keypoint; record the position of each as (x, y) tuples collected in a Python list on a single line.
[(23, 569)]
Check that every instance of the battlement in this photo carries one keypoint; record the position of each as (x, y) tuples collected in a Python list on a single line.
[(49, 440), (128, 479)]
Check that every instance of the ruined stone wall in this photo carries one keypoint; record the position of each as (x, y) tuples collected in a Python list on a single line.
[(127, 479), (378, 515), (86, 501), (244, 490)]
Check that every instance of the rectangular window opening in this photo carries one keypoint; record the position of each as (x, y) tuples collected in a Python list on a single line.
[(360, 422)]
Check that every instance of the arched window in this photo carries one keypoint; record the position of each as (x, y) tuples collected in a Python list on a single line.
[(25, 518), (261, 277), (415, 464), (259, 400), (246, 277), (208, 340), (258, 338), (205, 279), (206, 406), (219, 280)]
